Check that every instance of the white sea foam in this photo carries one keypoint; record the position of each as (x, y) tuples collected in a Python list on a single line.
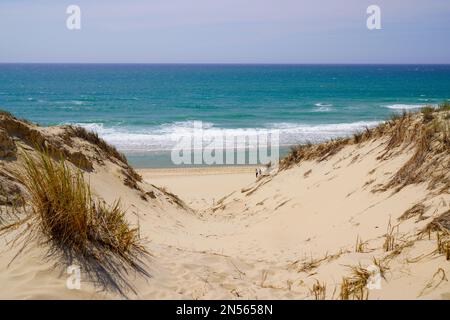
[(320, 104), (71, 102), (164, 137), (322, 107), (409, 106), (405, 106), (77, 102)]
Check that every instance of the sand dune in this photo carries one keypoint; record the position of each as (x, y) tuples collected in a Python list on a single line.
[(313, 228), (201, 187)]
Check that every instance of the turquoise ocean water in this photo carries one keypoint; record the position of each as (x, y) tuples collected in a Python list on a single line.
[(141, 109)]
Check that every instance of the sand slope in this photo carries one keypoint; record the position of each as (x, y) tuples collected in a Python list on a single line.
[(272, 238), (300, 226)]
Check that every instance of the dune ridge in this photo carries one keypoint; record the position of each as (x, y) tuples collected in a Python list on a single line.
[(314, 227)]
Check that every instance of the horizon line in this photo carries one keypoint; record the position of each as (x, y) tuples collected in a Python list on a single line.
[(235, 63)]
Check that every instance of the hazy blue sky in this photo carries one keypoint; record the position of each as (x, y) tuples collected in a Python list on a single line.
[(227, 31)]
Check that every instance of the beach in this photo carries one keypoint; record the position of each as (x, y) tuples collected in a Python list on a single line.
[(201, 187)]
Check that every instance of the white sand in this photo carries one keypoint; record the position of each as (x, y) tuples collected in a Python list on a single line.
[(201, 187), (267, 239)]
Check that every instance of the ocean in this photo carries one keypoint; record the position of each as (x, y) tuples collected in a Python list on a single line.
[(142, 109)]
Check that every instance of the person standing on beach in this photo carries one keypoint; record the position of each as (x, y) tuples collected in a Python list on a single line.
[(256, 170)]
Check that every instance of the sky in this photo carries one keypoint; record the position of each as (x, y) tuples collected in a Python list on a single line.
[(225, 31)]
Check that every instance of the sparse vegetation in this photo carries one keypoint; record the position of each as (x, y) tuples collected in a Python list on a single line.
[(29, 134), (430, 138), (441, 225), (443, 244), (357, 137), (438, 278), (431, 147), (390, 237), (427, 113), (307, 173), (63, 214), (354, 287), (132, 178), (172, 197), (382, 266), (360, 245), (445, 106), (417, 210), (93, 138), (319, 290), (318, 152), (310, 264)]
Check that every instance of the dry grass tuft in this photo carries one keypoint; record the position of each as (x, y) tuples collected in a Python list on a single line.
[(354, 287), (360, 245), (93, 138), (358, 137), (440, 225), (309, 265), (427, 114), (418, 210), (443, 244), (438, 278), (382, 266), (397, 132), (132, 178), (390, 237), (64, 216), (319, 152), (319, 290), (445, 106), (431, 141), (313, 263), (307, 173)]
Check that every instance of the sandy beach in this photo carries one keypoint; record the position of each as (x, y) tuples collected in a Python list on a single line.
[(201, 187)]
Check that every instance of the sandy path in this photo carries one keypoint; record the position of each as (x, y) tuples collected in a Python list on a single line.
[(201, 187)]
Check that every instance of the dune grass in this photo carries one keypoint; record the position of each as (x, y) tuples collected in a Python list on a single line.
[(132, 178), (354, 287), (360, 246), (319, 290), (390, 238), (418, 210), (443, 244), (427, 133), (93, 138), (440, 225), (427, 113), (64, 215), (445, 106)]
